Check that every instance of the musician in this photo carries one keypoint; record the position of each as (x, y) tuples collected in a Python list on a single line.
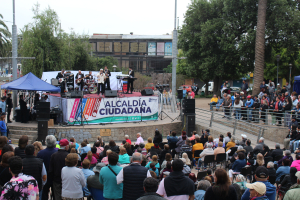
[(130, 80), (60, 76), (9, 105), (23, 109), (79, 82), (107, 74), (89, 76), (101, 82)]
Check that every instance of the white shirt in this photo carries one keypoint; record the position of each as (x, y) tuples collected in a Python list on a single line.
[(161, 191), (100, 77), (120, 176), (206, 152)]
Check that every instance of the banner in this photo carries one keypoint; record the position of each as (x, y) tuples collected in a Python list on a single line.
[(168, 49), (151, 48), (112, 110)]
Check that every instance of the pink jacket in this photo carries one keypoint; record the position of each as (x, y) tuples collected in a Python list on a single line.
[(94, 160), (296, 164)]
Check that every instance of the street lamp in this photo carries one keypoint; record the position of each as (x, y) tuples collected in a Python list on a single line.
[(114, 68), (278, 59), (290, 74)]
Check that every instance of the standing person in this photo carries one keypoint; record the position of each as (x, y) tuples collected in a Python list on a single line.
[(60, 76), (57, 162), (107, 177), (20, 150), (222, 188), (133, 177), (244, 87), (23, 109), (20, 186), (3, 104), (79, 79), (169, 96), (34, 166), (256, 105), (3, 128), (277, 110), (157, 137), (248, 105), (86, 164), (176, 185), (45, 155), (9, 106), (237, 108), (130, 80), (101, 81), (227, 104), (72, 178), (107, 75)]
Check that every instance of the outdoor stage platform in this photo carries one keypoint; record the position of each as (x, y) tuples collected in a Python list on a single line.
[(96, 109)]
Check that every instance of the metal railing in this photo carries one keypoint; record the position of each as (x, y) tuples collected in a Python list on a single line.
[(227, 122)]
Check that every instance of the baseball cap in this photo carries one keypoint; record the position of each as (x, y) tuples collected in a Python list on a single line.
[(98, 167), (258, 187), (248, 97), (63, 142), (298, 175), (244, 136), (262, 172)]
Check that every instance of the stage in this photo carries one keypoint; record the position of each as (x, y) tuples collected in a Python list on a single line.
[(96, 109)]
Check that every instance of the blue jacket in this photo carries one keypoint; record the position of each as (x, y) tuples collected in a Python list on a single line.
[(271, 191), (3, 106), (283, 170), (85, 149), (199, 194), (111, 190), (87, 173), (172, 139), (249, 104), (3, 126), (46, 154), (156, 171), (220, 101), (238, 165), (156, 165), (232, 99)]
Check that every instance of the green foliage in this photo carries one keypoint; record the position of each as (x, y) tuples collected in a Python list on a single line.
[(108, 61), (5, 35), (52, 47), (168, 69)]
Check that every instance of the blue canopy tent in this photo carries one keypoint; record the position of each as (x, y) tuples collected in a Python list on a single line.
[(296, 87), (30, 82)]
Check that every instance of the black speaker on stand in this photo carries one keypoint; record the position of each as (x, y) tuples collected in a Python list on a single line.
[(147, 92), (111, 93), (42, 117)]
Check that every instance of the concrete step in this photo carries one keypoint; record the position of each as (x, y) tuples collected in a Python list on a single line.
[(10, 127), (23, 132)]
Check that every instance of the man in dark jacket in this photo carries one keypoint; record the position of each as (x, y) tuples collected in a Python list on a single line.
[(34, 167), (277, 151), (9, 107), (23, 109), (150, 187), (93, 181), (57, 162), (133, 177), (177, 184), (45, 155)]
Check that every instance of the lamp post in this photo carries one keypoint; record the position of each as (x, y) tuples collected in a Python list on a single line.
[(278, 59), (290, 74)]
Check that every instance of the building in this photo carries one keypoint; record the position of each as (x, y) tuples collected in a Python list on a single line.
[(144, 53)]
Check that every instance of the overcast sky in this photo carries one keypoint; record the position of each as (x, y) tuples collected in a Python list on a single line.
[(152, 17)]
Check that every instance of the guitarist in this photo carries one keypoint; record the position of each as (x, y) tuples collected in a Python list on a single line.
[(107, 81), (130, 80), (79, 79), (60, 77)]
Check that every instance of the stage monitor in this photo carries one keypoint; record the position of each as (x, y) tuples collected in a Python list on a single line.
[(76, 94), (111, 93), (147, 92)]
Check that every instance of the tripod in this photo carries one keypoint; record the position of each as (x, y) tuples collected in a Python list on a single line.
[(82, 117)]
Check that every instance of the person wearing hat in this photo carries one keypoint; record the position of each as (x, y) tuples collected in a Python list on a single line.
[(257, 191), (294, 193), (244, 139), (262, 176), (57, 162)]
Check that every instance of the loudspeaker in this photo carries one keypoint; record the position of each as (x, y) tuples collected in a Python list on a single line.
[(54, 82), (190, 124), (42, 131), (188, 106), (42, 111), (76, 94), (111, 93), (147, 92), (180, 94)]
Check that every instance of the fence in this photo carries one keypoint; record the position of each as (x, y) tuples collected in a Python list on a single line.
[(228, 123)]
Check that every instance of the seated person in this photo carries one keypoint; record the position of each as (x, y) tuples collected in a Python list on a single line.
[(283, 170), (271, 169), (149, 144), (238, 164), (123, 156), (197, 146), (186, 169)]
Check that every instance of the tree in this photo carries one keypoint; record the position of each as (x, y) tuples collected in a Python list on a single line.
[(260, 46), (5, 36), (108, 61)]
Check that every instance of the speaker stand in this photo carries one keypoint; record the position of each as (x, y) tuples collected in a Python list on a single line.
[(81, 115)]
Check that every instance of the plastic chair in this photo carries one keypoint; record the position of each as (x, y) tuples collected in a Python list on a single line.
[(246, 171), (209, 159), (233, 150), (221, 158), (201, 175), (197, 153)]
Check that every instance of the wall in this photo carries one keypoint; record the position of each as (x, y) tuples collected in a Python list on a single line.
[(117, 134)]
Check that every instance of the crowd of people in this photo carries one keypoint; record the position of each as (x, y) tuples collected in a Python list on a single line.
[(282, 104), (150, 169)]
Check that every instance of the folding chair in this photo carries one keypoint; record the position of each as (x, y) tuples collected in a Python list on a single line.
[(246, 171), (272, 179), (197, 154), (233, 150), (209, 159), (201, 175), (221, 158)]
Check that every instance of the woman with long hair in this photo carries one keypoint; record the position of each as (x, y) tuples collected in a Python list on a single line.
[(237, 107), (123, 156), (37, 147), (222, 190), (91, 158), (155, 161), (157, 137)]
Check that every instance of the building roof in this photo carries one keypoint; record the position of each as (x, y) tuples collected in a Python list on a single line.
[(130, 37)]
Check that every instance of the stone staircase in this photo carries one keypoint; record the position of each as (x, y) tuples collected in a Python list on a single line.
[(17, 131)]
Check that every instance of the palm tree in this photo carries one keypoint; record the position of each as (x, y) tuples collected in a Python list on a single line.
[(260, 46), (4, 35)]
